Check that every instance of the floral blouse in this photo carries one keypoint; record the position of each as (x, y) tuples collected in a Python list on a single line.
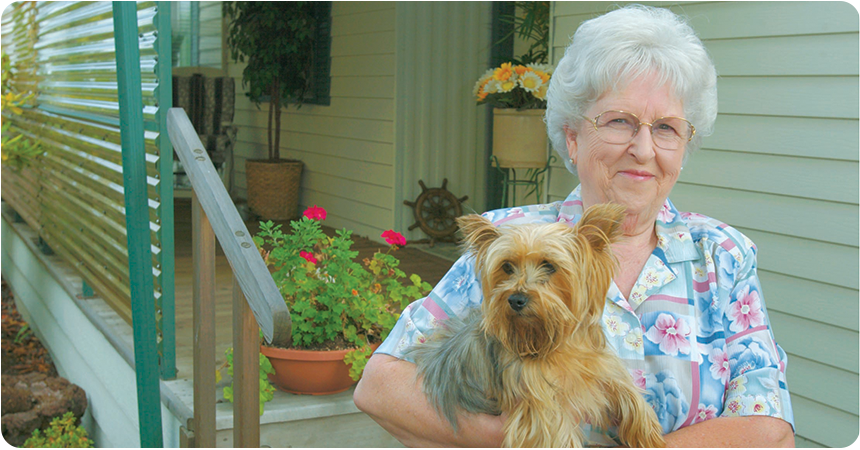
[(694, 333)]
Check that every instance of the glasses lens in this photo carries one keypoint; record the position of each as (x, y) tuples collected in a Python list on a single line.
[(616, 127), (671, 132)]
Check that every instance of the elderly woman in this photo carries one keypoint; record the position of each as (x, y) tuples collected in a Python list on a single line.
[(633, 95)]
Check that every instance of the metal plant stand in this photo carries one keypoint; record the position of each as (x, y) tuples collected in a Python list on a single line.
[(510, 179)]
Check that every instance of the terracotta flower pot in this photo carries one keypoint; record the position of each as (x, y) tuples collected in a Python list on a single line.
[(308, 371)]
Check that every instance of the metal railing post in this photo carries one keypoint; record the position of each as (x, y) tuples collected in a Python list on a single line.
[(137, 223)]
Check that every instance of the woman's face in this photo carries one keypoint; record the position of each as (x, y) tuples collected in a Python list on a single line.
[(638, 174)]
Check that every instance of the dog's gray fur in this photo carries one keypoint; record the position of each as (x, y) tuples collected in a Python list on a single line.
[(459, 368)]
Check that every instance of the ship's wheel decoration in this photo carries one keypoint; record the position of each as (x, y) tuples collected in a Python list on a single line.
[(435, 212)]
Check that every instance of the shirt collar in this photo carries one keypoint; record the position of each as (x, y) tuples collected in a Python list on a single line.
[(674, 241)]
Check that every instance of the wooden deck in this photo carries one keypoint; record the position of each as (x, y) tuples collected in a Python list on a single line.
[(429, 267)]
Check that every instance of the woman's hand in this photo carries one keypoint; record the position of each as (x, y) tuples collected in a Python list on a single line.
[(391, 394)]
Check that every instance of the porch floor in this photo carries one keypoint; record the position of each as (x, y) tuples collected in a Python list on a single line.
[(415, 258)]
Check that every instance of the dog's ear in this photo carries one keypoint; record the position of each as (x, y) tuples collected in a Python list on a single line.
[(478, 232), (601, 224)]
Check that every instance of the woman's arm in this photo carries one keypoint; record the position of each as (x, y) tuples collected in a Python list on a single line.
[(390, 393), (750, 431)]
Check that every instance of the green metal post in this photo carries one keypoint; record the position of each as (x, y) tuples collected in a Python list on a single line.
[(137, 222), (86, 290), (164, 94)]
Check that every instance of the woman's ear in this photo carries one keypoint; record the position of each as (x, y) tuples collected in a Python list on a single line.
[(570, 140)]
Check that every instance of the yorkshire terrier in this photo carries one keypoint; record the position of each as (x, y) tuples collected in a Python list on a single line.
[(536, 350)]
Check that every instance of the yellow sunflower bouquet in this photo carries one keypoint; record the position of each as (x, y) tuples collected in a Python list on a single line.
[(514, 86)]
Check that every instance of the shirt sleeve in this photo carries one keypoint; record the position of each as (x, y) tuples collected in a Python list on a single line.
[(457, 292), (757, 384)]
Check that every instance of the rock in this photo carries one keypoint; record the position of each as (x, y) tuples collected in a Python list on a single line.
[(15, 400), (49, 396)]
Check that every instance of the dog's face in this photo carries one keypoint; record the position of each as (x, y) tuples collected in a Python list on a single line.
[(541, 282)]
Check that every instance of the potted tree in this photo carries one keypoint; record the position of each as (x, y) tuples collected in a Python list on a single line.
[(277, 41), (341, 310)]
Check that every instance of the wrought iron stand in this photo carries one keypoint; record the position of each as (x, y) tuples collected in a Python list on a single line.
[(510, 179)]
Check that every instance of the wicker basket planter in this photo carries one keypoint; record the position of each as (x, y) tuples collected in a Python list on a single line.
[(519, 138), (273, 188)]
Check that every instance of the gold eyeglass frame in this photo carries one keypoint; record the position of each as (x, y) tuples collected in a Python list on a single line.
[(638, 127)]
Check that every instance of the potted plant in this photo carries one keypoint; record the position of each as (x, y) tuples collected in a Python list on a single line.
[(517, 91), (276, 40), (341, 310), (518, 95)]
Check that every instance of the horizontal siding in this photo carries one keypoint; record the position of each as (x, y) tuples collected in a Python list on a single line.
[(822, 424), (787, 55), (774, 213), (347, 146), (802, 337), (800, 177), (782, 167), (831, 97), (806, 259), (840, 390), (790, 294), (787, 136)]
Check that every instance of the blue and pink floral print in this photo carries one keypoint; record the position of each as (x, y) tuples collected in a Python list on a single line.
[(694, 332)]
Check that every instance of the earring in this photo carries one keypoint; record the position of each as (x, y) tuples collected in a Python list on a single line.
[(572, 161)]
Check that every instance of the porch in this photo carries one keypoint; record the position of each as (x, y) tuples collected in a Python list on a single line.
[(288, 420)]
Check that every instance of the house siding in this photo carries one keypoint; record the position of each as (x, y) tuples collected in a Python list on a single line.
[(347, 147), (395, 115), (783, 156)]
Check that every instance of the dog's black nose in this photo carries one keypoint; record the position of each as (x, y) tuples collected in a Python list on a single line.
[(518, 301)]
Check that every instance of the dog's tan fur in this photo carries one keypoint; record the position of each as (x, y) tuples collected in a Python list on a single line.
[(556, 368)]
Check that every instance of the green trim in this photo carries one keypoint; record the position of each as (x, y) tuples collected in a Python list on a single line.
[(500, 51), (137, 222), (164, 94), (86, 290)]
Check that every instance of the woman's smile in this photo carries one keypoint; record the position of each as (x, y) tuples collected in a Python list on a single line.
[(637, 175)]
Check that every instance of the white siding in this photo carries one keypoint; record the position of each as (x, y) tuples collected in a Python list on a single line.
[(401, 110), (347, 147), (782, 167)]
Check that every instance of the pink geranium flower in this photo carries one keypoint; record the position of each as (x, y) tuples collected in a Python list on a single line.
[(315, 213), (720, 369), (394, 238), (670, 335), (746, 311), (308, 256)]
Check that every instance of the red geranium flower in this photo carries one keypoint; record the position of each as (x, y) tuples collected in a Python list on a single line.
[(315, 213), (394, 238), (308, 256)]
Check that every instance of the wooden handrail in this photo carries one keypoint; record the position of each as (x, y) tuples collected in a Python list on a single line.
[(254, 278), (255, 296)]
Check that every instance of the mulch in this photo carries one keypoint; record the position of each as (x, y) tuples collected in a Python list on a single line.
[(22, 351)]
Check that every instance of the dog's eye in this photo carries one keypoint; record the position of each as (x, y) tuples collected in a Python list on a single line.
[(508, 268), (548, 267)]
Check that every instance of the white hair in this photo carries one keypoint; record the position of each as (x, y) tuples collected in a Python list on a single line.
[(616, 48)]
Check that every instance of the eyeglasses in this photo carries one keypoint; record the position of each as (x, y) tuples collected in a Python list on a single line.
[(620, 127)]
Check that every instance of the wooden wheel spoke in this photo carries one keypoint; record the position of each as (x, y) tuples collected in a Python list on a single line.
[(435, 211)]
